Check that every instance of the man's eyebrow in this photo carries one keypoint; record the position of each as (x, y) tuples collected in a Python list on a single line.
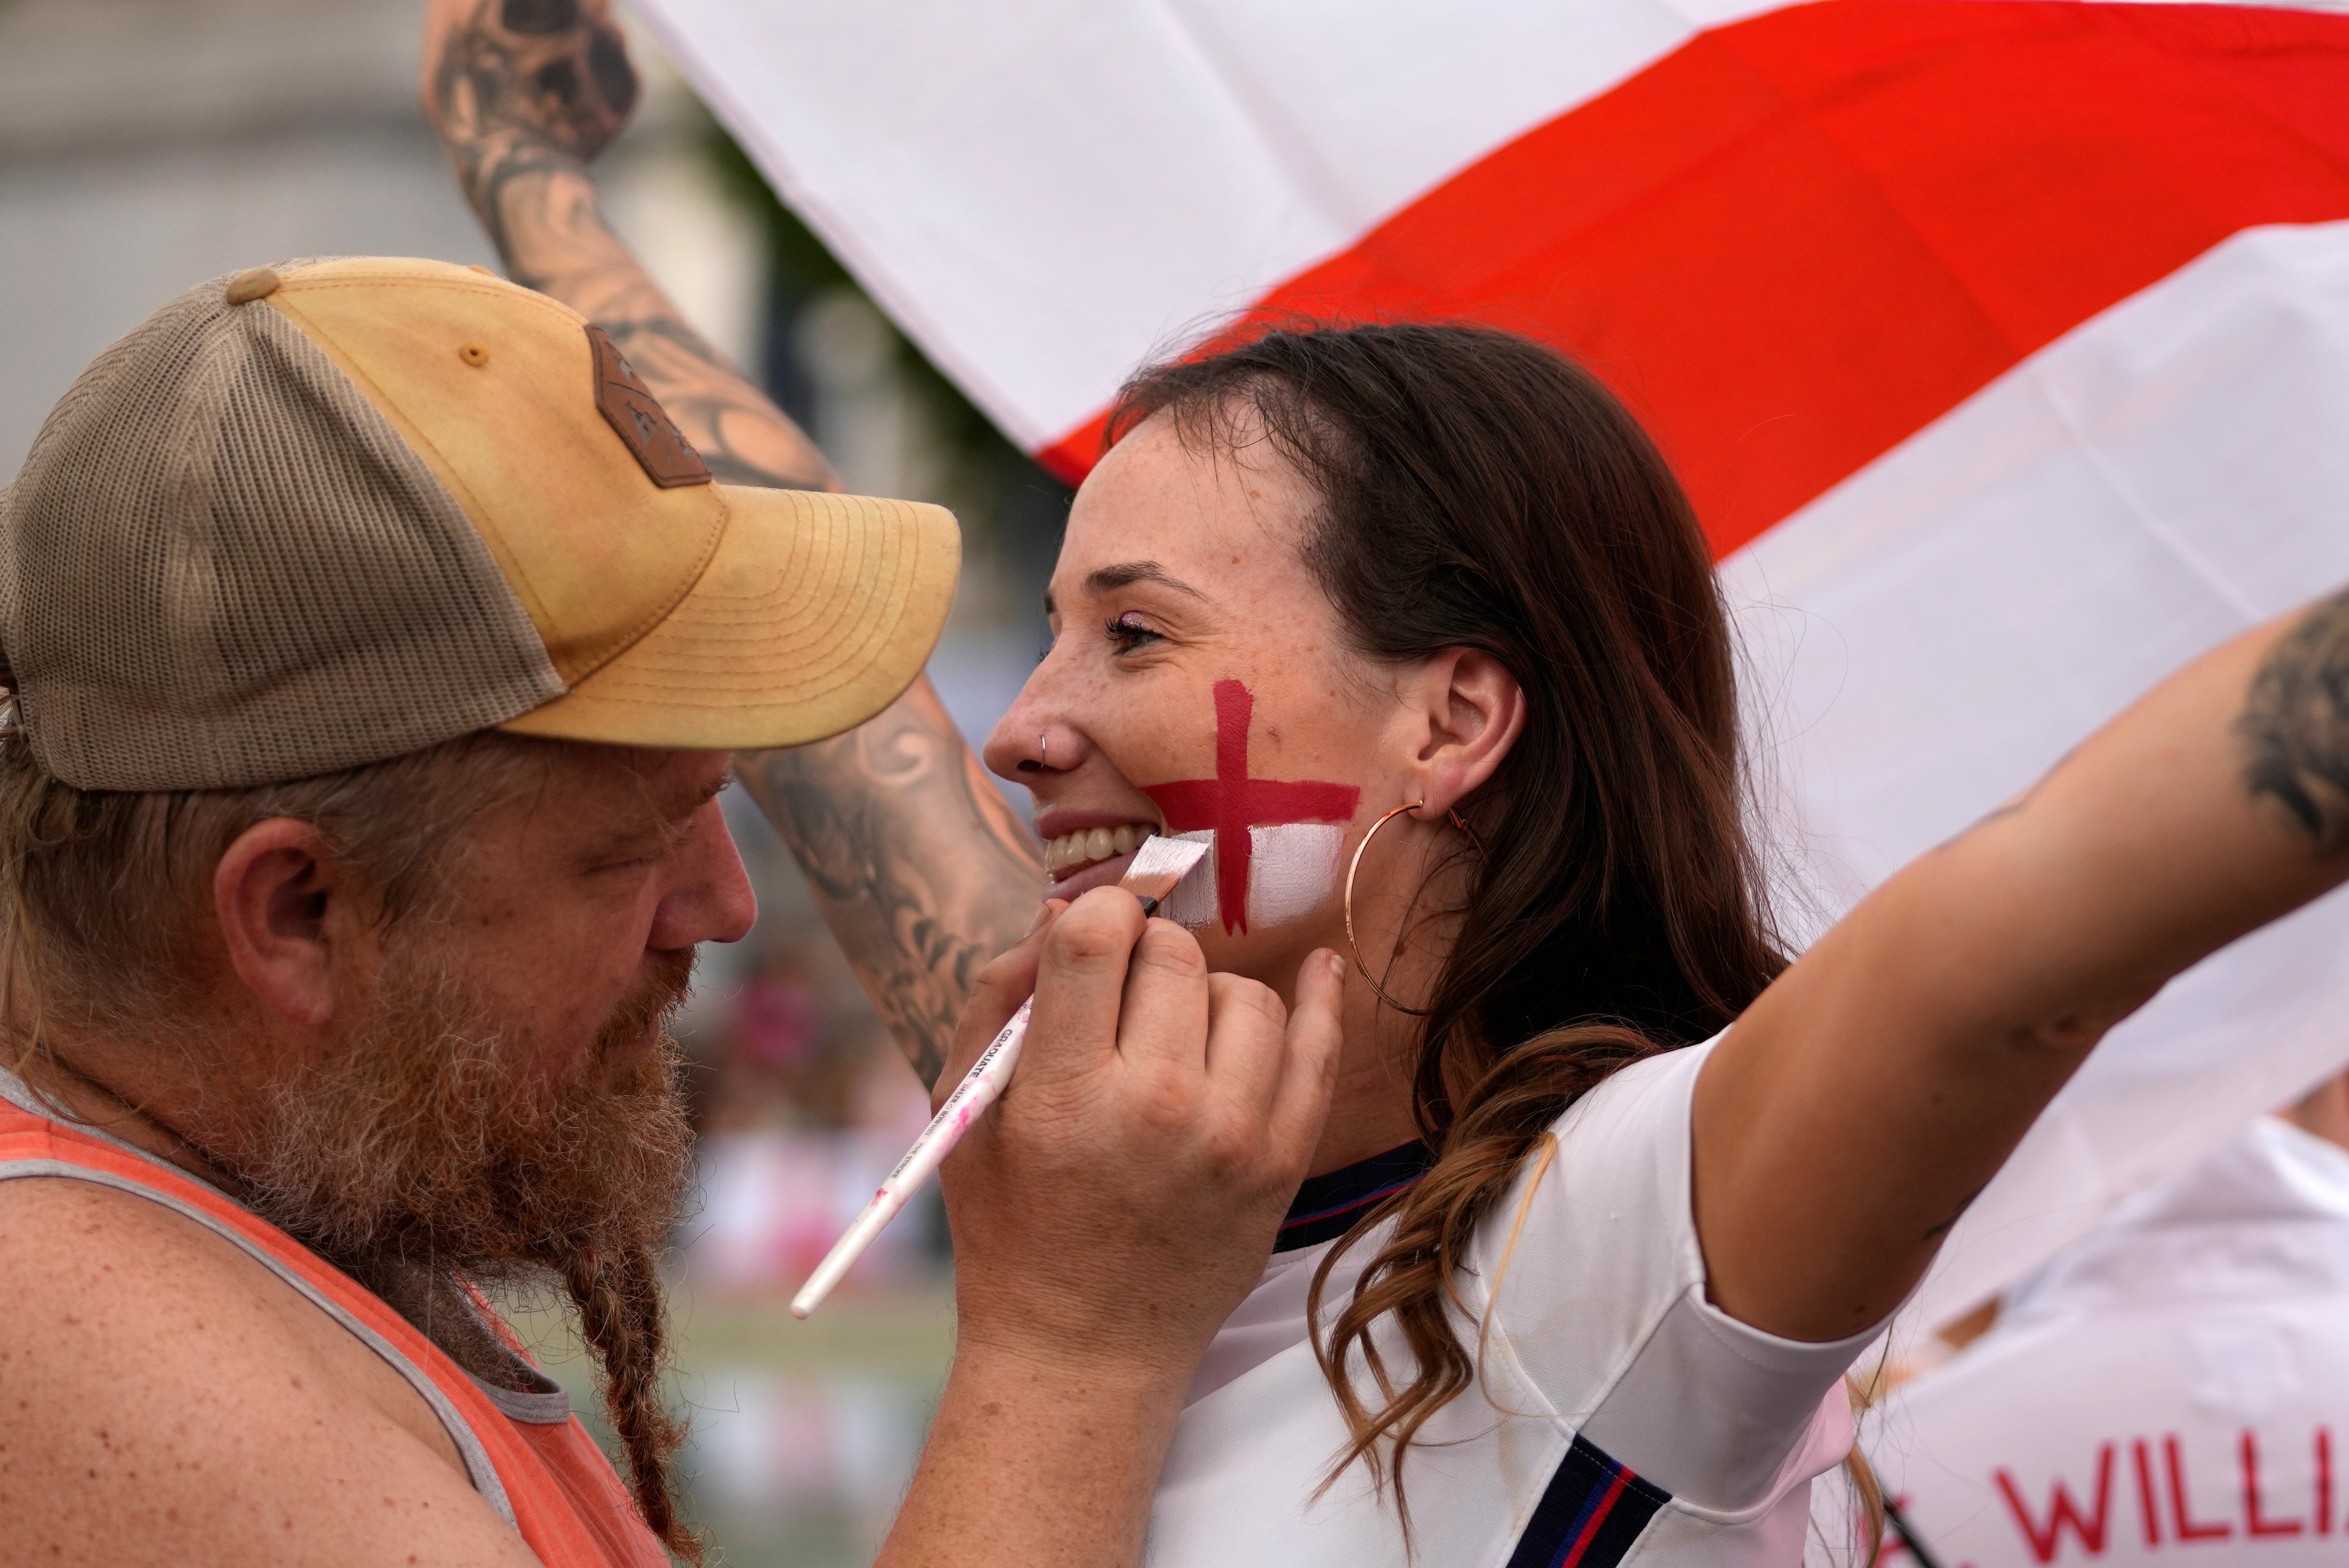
[(709, 792), (673, 818), (1126, 574)]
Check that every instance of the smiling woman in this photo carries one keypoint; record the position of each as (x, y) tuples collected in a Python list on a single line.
[(1434, 578), (1273, 627)]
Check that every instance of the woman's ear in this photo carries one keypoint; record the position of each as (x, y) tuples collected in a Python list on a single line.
[(1475, 711), (270, 892)]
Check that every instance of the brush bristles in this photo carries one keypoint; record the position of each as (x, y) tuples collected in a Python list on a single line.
[(1159, 864)]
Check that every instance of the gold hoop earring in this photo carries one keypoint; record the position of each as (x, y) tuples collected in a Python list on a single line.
[(1356, 864)]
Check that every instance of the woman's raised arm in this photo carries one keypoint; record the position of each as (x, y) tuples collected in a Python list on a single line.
[(921, 870), (1853, 1112)]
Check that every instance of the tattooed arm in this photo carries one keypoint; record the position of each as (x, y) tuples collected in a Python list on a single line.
[(525, 95), (1859, 1105), (921, 870)]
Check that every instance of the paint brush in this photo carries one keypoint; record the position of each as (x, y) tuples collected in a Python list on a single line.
[(1157, 866)]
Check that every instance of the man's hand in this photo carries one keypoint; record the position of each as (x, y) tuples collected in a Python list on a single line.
[(1109, 1213), (504, 79), (1123, 1196)]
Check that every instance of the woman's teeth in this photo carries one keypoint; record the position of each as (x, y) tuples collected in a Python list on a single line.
[(1090, 844)]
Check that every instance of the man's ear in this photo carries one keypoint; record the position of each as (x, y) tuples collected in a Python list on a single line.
[(1475, 711), (270, 891)]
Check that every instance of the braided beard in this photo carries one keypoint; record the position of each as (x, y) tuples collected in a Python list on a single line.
[(431, 1142)]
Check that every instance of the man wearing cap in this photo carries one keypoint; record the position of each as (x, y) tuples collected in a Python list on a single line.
[(377, 643)]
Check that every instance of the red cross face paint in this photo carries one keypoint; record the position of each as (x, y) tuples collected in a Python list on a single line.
[(1276, 841)]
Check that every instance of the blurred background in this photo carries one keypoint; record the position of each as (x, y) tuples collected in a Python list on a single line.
[(145, 145)]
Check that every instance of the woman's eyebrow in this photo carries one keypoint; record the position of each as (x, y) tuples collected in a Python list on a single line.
[(1110, 578)]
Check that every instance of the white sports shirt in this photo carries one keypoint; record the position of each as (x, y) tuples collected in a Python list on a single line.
[(2173, 1387), (1621, 1418)]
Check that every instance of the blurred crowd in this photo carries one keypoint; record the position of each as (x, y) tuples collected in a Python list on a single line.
[(803, 1104)]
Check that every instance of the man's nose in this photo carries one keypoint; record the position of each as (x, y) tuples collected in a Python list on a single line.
[(715, 902)]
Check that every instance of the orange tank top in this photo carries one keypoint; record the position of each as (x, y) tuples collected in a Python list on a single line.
[(545, 1477)]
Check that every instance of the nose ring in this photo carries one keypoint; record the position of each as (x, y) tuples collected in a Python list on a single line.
[(1043, 749)]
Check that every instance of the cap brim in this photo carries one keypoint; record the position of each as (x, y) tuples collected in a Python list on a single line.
[(816, 611)]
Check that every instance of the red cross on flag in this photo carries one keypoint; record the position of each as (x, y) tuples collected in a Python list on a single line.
[(2003, 345)]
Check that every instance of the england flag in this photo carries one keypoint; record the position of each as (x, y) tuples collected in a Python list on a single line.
[(2003, 345)]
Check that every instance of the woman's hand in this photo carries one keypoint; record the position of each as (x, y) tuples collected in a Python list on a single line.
[(1109, 1213)]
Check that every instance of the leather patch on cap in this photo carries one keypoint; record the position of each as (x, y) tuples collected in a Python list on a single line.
[(629, 406)]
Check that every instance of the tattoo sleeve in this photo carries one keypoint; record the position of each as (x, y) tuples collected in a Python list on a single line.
[(2296, 726), (525, 94), (923, 872)]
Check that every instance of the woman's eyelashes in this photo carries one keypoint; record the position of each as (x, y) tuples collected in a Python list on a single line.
[(1130, 633)]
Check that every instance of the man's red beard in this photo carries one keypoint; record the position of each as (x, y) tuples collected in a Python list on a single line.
[(433, 1143)]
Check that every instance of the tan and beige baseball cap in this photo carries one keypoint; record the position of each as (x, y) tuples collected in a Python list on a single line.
[(325, 513)]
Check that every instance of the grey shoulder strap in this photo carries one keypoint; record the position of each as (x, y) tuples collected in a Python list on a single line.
[(477, 1459)]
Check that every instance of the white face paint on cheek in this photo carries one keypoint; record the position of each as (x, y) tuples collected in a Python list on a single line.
[(1292, 871), (1192, 905)]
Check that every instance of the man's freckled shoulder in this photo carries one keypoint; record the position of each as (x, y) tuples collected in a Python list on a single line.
[(161, 1392), (126, 1302), (76, 1255)]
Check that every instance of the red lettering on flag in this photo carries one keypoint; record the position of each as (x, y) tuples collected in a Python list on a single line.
[(2062, 1511), (2252, 1521), (2147, 1509), (2189, 1529), (2323, 1480), (1232, 802)]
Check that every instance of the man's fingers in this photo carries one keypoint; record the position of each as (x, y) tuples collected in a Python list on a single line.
[(1308, 1066), (1166, 1009), (1080, 984), (1008, 980), (1245, 1046)]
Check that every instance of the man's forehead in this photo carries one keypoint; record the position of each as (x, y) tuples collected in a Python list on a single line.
[(625, 787), (685, 781)]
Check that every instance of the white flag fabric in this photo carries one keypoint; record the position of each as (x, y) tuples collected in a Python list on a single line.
[(2003, 345)]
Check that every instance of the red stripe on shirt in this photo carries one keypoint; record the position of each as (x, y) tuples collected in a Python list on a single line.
[(1597, 1517)]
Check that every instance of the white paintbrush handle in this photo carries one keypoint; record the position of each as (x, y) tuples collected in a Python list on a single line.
[(977, 1090)]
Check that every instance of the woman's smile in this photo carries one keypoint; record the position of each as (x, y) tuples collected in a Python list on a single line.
[(1080, 855)]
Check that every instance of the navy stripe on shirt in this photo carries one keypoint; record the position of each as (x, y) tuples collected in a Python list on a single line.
[(1590, 1514), (1593, 1508), (1328, 1205)]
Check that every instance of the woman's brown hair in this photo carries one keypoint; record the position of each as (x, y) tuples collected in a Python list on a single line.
[(1480, 491)]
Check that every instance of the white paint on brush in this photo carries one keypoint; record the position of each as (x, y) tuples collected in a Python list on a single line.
[(1292, 871), (1193, 901)]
